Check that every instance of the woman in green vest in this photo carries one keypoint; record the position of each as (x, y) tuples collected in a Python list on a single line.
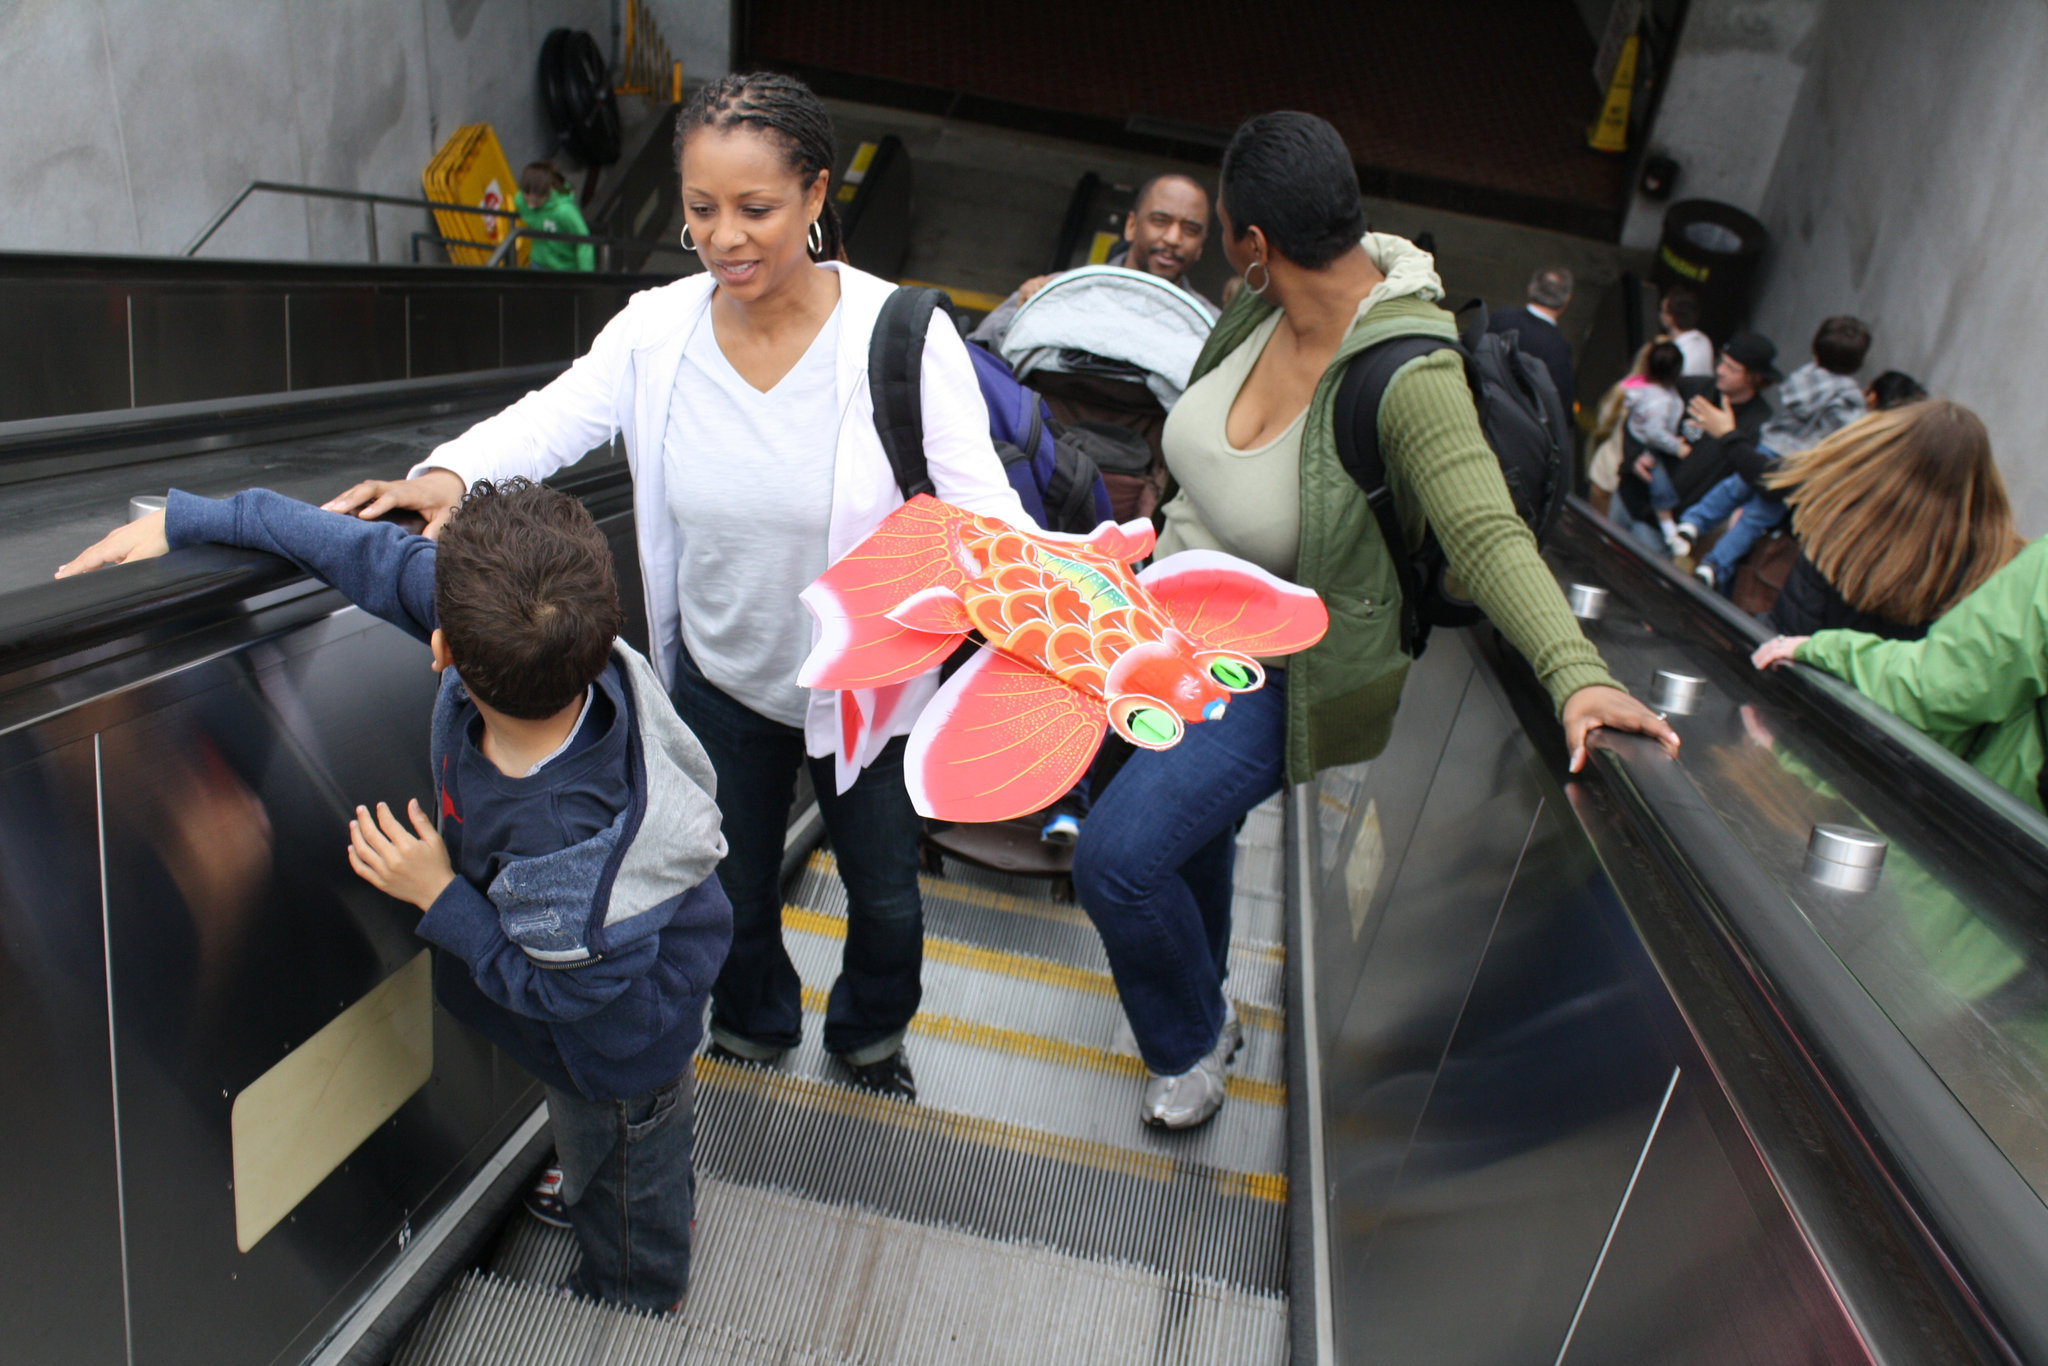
[(1251, 447)]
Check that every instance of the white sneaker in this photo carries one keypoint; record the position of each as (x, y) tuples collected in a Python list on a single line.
[(1705, 574), (1194, 1096), (1675, 541)]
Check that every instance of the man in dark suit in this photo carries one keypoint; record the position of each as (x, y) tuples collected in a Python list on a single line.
[(1535, 327)]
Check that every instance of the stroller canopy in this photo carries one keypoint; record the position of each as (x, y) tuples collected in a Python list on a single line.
[(1110, 313)]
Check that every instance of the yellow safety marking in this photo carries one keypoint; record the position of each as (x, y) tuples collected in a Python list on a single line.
[(1018, 965), (1102, 246), (988, 899), (1080, 1056), (987, 1133), (966, 298)]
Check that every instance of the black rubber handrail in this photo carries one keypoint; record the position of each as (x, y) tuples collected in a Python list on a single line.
[(1983, 1224)]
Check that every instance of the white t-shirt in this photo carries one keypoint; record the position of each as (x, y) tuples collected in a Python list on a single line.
[(1698, 350), (750, 492)]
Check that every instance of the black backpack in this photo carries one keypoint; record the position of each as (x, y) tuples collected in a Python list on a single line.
[(1051, 467), (1525, 422)]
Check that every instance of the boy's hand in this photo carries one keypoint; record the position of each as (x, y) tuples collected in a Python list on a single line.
[(433, 496), (139, 540), (1646, 467), (411, 865)]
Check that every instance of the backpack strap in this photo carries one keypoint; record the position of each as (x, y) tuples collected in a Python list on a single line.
[(1356, 420), (895, 380)]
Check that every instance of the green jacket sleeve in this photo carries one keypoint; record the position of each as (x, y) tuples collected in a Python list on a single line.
[(1443, 473), (1984, 662)]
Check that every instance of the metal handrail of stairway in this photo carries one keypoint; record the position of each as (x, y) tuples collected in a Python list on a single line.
[(370, 200)]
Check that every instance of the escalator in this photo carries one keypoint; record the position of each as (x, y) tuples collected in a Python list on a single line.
[(1539, 1067)]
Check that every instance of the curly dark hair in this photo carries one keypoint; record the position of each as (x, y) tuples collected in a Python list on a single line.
[(526, 597)]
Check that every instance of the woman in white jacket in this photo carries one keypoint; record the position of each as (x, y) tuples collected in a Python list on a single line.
[(741, 396)]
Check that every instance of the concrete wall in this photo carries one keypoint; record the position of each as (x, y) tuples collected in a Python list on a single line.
[(1727, 102), (1909, 191), (126, 124)]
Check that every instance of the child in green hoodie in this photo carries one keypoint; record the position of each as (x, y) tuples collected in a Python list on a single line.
[(546, 205)]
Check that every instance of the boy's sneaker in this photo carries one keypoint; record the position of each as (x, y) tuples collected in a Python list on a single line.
[(1194, 1096), (718, 1052), (888, 1076), (544, 1201), (1062, 830), (1687, 533), (1705, 574), (1675, 541)]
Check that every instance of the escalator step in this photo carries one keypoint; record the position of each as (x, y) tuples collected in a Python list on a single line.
[(780, 1278)]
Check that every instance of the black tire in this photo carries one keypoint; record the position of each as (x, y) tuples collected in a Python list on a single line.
[(576, 87)]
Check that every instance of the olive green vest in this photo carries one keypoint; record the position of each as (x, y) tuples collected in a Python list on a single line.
[(1343, 691)]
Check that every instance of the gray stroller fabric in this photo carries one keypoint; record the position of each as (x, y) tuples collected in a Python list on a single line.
[(1117, 315)]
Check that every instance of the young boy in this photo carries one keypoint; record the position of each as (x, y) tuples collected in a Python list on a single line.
[(569, 888), (1820, 398)]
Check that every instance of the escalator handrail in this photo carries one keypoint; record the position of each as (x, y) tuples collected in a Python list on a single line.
[(1981, 1221), (1891, 744), (159, 424)]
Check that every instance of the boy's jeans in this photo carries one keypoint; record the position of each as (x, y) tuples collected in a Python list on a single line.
[(631, 1192), (1760, 512), (1153, 870)]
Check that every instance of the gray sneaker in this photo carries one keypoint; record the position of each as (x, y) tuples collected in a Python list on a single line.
[(1194, 1096)]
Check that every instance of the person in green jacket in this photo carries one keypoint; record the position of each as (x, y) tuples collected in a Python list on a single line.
[(1977, 683), (1252, 448), (547, 205)]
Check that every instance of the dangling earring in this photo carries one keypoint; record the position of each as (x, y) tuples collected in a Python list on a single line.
[(815, 239), (688, 245), (1260, 287)]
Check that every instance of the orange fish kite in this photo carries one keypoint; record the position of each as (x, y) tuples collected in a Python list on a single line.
[(1072, 640)]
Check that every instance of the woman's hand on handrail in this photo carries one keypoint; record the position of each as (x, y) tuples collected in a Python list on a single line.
[(1588, 709), (142, 539), (1777, 650), (433, 495)]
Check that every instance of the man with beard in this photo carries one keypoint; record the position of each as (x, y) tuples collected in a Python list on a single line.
[(1164, 232)]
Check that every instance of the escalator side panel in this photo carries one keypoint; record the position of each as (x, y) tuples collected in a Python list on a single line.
[(539, 327), (245, 352), (453, 330), (60, 1244), (64, 349), (346, 336), (236, 931)]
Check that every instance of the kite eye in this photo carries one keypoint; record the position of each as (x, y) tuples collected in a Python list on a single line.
[(1145, 721), (1236, 674)]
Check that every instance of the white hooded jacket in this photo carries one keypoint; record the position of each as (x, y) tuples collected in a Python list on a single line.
[(624, 386)]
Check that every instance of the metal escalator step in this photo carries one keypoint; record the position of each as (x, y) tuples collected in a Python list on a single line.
[(785, 1279), (1017, 993), (1164, 1208)]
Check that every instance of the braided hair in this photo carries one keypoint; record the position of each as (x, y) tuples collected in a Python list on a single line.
[(781, 105)]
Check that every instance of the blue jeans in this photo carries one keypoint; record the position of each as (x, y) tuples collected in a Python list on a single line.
[(1760, 512), (1663, 493), (1646, 534), (631, 1191), (1153, 870), (757, 1003)]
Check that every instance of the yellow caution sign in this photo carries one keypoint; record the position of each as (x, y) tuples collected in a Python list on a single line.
[(471, 169), (1610, 132)]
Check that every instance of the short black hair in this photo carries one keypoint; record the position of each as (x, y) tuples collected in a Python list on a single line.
[(1551, 287), (1893, 389), (1665, 364), (526, 596), (1138, 199), (1684, 307), (1290, 175), (1841, 343)]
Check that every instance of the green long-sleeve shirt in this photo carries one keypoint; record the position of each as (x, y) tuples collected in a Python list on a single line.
[(1342, 693), (559, 214), (1977, 681)]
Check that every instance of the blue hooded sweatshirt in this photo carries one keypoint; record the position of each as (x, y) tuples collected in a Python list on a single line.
[(584, 928)]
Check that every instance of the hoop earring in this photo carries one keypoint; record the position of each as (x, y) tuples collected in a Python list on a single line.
[(688, 245), (815, 239), (1260, 287)]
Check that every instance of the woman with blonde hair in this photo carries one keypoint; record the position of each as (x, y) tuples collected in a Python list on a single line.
[(1898, 516)]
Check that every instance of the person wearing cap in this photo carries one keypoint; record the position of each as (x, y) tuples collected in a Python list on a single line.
[(1729, 408)]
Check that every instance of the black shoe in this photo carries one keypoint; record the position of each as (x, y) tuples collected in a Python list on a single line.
[(888, 1076), (718, 1052), (544, 1198)]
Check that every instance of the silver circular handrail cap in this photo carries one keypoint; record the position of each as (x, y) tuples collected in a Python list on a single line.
[(1587, 601), (1676, 693), (1846, 844), (142, 505)]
